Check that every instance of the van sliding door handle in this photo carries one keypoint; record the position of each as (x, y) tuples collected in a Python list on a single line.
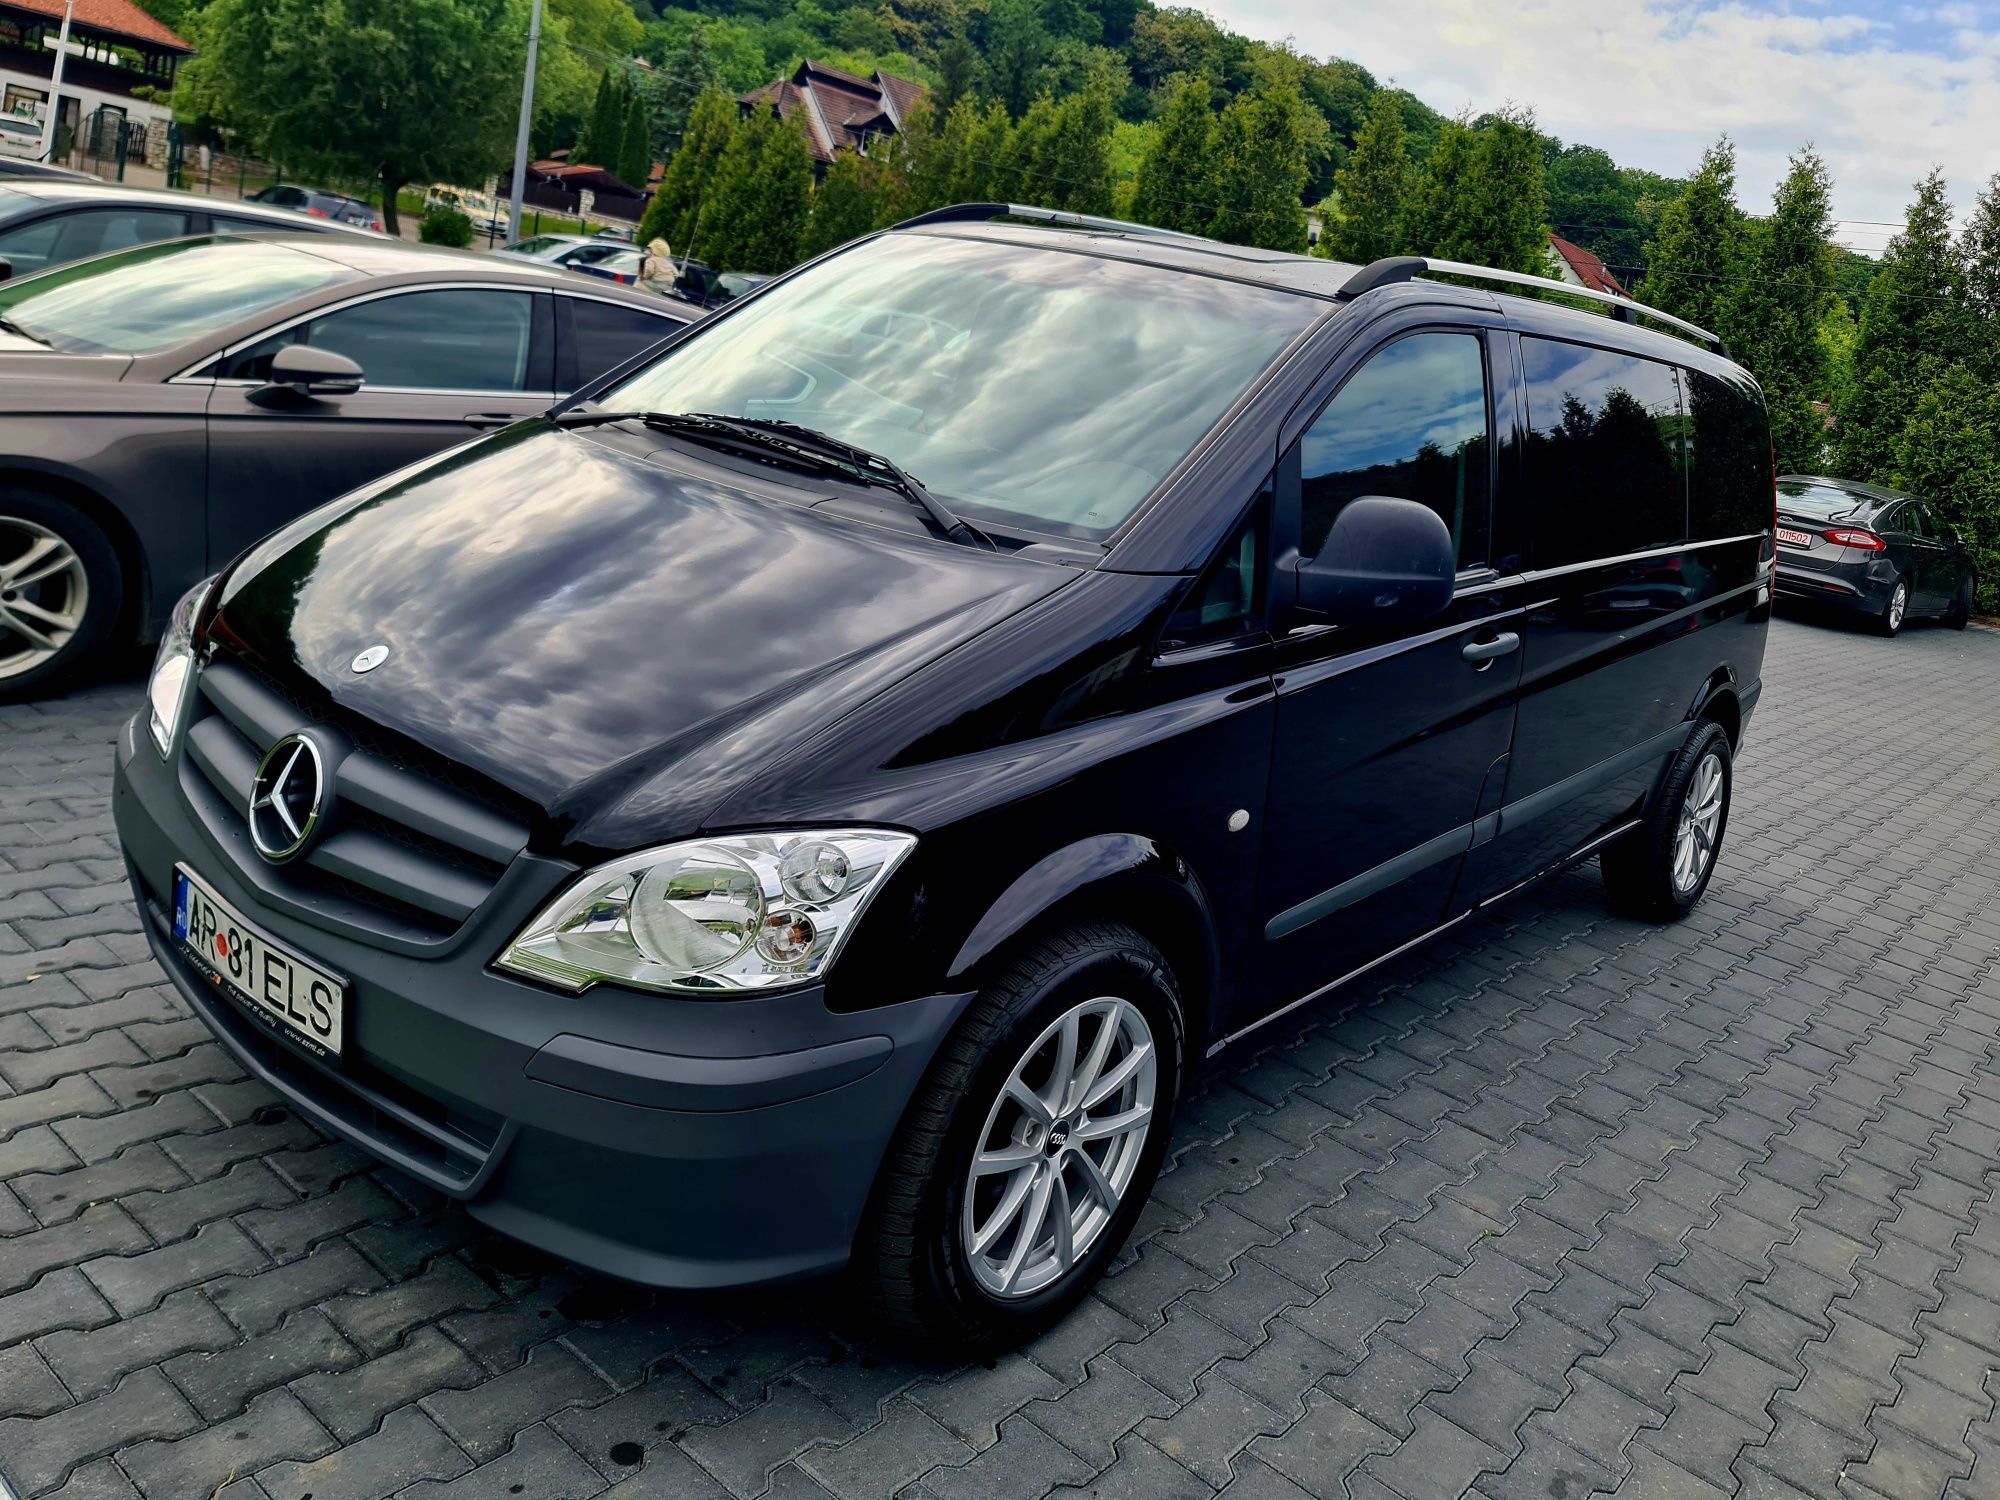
[(1483, 652)]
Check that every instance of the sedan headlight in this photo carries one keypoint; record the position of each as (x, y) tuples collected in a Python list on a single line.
[(173, 668), (711, 916)]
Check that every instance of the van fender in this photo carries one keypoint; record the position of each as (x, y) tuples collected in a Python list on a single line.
[(1709, 703), (1123, 876)]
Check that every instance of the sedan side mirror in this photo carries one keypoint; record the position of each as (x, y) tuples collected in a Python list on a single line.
[(1385, 562), (300, 372)]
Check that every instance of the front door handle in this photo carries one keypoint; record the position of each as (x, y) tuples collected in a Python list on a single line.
[(490, 419), (1483, 653)]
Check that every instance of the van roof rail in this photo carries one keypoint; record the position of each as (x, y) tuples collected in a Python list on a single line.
[(1394, 268), (979, 213)]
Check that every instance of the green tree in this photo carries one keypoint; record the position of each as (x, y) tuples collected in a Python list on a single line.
[(1979, 248), (1914, 326), (847, 204), (1258, 161), (1372, 188), (675, 209), (604, 127), (1696, 258), (1433, 201), (635, 155), (1060, 155), (958, 71), (1173, 181), (1949, 452), (754, 216), (1776, 313), (357, 90), (1500, 215), (1017, 43)]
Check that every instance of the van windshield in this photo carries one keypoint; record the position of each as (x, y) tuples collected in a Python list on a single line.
[(1039, 387)]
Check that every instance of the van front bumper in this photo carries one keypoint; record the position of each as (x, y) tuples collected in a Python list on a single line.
[(679, 1143)]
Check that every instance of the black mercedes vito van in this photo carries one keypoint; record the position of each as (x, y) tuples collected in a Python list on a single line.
[(817, 798)]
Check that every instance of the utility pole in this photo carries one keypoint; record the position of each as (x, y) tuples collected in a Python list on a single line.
[(55, 82), (527, 116)]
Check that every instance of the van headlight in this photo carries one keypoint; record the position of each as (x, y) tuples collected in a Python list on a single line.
[(710, 916), (173, 668)]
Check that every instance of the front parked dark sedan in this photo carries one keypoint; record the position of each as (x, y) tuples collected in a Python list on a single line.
[(164, 407), (46, 223), (1870, 551)]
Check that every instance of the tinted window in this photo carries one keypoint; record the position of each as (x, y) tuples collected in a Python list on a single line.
[(1604, 456), (459, 340), (1046, 388), (87, 232), (1229, 599), (1410, 423), (606, 334), (157, 296), (1729, 465)]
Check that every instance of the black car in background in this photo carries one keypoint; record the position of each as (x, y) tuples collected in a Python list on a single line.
[(163, 407), (817, 799), (47, 222), (318, 203), (1870, 551)]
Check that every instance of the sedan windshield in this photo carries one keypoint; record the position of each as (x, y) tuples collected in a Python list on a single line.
[(1039, 387), (154, 297), (1823, 501)]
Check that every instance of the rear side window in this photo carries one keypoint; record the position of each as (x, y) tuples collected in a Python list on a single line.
[(1604, 453), (1729, 471), (1409, 424), (86, 232), (607, 334)]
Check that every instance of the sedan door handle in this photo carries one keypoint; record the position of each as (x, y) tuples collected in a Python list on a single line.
[(1483, 653), (490, 419)]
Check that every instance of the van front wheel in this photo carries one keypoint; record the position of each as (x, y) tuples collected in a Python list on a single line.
[(1659, 870), (1030, 1146)]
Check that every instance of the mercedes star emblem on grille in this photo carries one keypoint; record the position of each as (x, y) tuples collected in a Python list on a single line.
[(287, 798), (370, 659)]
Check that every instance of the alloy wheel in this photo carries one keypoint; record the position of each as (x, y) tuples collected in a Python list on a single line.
[(44, 594), (1060, 1147), (1898, 603), (1701, 816)]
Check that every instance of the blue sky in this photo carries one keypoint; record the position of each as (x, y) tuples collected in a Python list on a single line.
[(1884, 89)]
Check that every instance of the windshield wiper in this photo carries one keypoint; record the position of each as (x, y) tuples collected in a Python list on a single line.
[(802, 446), (8, 325)]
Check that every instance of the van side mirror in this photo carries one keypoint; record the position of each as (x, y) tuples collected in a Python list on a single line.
[(300, 372), (1385, 562)]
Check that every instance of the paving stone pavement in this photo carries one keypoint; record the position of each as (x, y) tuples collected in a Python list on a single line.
[(1559, 1205)]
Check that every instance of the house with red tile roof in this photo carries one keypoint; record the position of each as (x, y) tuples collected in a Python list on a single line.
[(842, 111), (1576, 265), (115, 49)]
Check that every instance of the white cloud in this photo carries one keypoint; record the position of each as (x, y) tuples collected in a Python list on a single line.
[(1882, 96)]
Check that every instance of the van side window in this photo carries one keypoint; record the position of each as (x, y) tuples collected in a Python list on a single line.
[(1729, 465), (1604, 453), (1228, 600), (1410, 423)]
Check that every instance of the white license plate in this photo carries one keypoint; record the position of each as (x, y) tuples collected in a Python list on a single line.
[(294, 997), (1793, 538)]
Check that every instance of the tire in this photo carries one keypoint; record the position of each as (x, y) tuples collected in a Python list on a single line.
[(54, 564), (1960, 614), (925, 1277), (1642, 870), (1895, 611)]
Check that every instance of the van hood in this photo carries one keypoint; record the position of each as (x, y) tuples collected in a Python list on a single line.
[(621, 639)]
